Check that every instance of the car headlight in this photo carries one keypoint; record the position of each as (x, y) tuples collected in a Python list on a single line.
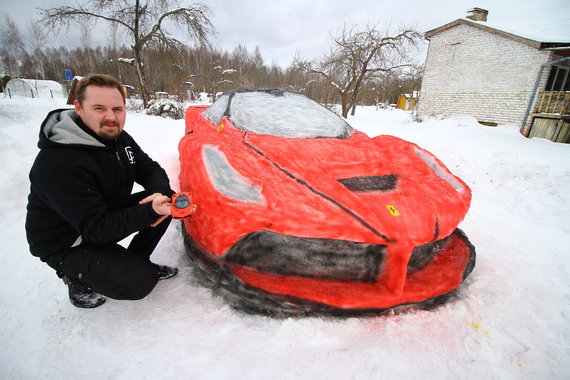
[(228, 180), (440, 171)]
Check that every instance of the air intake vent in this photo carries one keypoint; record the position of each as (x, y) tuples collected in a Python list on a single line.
[(370, 183)]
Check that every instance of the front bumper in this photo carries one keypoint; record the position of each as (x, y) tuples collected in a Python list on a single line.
[(325, 275)]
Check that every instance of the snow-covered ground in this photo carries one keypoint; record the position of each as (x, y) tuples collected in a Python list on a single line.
[(509, 321)]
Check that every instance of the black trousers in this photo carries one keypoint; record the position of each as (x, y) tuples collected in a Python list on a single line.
[(112, 270)]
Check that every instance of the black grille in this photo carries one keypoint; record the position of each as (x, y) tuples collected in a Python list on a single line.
[(341, 260)]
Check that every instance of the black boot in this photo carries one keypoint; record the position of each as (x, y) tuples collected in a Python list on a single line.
[(81, 295), (165, 271)]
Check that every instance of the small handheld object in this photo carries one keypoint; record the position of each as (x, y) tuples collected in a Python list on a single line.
[(182, 206)]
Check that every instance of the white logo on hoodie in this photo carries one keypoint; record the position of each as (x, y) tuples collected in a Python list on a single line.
[(130, 154)]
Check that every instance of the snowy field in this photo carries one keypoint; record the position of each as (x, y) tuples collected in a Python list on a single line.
[(510, 319)]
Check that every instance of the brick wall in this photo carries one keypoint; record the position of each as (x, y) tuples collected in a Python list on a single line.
[(474, 72)]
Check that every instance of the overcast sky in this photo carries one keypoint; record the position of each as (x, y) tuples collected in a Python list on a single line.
[(284, 28)]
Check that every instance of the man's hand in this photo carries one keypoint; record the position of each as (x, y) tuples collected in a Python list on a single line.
[(160, 204)]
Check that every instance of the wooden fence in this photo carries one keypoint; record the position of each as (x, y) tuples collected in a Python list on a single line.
[(552, 102)]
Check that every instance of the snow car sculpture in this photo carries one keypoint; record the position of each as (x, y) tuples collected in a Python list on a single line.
[(298, 213)]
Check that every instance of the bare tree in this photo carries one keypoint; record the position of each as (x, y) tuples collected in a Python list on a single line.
[(87, 42), (217, 78), (13, 47), (358, 56), (113, 45), (144, 21), (239, 58), (37, 39)]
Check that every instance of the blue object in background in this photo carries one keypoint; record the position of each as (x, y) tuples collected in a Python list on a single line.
[(68, 75)]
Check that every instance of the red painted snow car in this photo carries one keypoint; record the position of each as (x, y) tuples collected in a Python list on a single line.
[(300, 213)]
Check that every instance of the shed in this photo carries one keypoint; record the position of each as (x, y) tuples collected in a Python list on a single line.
[(407, 101), (34, 88), (71, 95), (492, 73)]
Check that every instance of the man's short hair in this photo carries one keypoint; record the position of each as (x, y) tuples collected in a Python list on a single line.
[(100, 80)]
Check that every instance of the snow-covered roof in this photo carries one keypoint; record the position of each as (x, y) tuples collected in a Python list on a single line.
[(40, 83), (535, 41), (414, 94), (34, 87)]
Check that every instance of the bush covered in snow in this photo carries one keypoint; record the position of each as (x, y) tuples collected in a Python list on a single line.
[(134, 104), (166, 108)]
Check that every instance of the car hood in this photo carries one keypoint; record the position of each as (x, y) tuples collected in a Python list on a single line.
[(395, 189)]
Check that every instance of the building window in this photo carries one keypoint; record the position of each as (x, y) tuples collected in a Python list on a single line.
[(559, 79)]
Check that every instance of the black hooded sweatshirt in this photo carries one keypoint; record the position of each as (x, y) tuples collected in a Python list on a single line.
[(81, 185)]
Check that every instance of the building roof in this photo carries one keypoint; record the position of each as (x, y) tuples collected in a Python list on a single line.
[(532, 41)]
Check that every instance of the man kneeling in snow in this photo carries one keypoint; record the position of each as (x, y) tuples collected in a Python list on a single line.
[(80, 203)]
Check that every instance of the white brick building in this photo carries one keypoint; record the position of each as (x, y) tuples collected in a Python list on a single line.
[(473, 68)]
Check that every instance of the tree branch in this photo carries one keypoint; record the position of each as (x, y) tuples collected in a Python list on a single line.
[(65, 14)]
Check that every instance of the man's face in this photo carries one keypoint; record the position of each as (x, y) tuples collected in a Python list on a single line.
[(103, 111)]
